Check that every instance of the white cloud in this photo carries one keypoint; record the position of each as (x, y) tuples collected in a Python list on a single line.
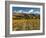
[(20, 11), (37, 12), (25, 12), (30, 11)]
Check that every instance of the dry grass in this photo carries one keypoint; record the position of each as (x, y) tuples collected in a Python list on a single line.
[(26, 24)]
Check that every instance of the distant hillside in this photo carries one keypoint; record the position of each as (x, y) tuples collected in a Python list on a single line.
[(26, 16)]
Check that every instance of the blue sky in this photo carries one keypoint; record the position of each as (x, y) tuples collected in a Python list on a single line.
[(26, 9)]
